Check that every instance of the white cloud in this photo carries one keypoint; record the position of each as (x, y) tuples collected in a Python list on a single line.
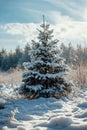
[(85, 14), (68, 29), (19, 29), (58, 18), (25, 32), (74, 32), (65, 30), (72, 8)]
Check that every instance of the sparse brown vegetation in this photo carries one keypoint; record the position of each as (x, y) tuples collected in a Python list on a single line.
[(79, 75), (11, 77)]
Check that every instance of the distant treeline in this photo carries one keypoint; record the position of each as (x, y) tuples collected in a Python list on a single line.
[(11, 59)]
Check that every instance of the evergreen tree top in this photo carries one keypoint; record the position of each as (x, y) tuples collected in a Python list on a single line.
[(45, 25), (45, 34)]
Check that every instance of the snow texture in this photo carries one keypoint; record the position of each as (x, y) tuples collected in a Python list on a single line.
[(44, 113), (34, 87)]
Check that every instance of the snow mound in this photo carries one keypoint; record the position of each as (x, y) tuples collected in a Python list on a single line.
[(83, 104), (21, 128), (61, 121), (45, 113)]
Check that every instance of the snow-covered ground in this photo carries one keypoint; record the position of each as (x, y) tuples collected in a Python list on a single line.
[(44, 114)]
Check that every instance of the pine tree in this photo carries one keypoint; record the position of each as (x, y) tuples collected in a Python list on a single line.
[(45, 73)]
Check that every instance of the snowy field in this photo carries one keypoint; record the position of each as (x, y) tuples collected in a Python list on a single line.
[(43, 114)]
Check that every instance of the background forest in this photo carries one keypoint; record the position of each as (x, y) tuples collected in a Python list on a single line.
[(11, 60), (11, 63)]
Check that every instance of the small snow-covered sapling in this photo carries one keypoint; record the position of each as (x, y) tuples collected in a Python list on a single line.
[(12, 114)]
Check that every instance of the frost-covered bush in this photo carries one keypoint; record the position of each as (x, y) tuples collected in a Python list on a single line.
[(79, 75)]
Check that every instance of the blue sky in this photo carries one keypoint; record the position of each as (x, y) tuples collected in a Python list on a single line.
[(25, 11), (20, 18)]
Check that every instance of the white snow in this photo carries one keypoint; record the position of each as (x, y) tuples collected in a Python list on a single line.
[(44, 76), (45, 113), (34, 87)]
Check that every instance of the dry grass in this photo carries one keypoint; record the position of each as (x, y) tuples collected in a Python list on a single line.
[(11, 77), (79, 75)]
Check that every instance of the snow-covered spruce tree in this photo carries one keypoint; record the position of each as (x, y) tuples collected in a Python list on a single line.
[(45, 73)]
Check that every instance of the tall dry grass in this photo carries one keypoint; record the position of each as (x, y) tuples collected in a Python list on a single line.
[(11, 77), (79, 75)]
